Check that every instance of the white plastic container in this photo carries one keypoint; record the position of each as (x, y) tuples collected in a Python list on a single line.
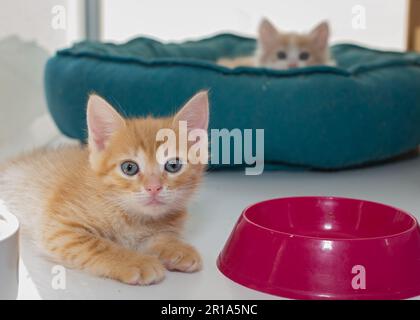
[(9, 254)]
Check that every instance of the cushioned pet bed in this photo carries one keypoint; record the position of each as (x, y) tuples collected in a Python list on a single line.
[(366, 109)]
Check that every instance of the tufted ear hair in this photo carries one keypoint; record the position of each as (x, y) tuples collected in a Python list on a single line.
[(102, 121), (195, 112), (320, 34), (267, 32)]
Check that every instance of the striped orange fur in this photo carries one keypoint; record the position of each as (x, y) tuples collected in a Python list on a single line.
[(85, 213)]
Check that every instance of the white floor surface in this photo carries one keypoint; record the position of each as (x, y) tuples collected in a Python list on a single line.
[(213, 215)]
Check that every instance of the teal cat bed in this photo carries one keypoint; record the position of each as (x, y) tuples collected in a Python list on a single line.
[(367, 109)]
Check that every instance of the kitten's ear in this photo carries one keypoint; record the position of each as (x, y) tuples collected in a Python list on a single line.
[(267, 32), (320, 34), (102, 120), (195, 112)]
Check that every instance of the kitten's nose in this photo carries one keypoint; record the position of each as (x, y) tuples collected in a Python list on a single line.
[(153, 189), (292, 65)]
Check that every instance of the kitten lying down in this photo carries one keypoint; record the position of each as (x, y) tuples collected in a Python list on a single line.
[(110, 208), (281, 50)]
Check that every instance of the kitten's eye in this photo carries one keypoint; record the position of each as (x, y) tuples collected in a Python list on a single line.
[(173, 165), (129, 168), (304, 55), (281, 55)]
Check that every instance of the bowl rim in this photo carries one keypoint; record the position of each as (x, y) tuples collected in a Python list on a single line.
[(11, 220), (293, 235)]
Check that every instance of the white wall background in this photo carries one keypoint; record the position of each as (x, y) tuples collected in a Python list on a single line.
[(185, 19), (182, 19), (31, 21), (27, 39)]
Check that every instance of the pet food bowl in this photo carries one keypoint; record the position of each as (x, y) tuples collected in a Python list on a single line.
[(325, 248), (9, 254)]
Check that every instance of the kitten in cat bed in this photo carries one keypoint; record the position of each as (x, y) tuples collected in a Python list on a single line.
[(111, 208), (285, 50)]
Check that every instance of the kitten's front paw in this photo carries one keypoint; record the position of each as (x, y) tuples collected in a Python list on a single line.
[(144, 271), (180, 257)]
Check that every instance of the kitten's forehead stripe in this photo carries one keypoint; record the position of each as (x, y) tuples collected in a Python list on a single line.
[(137, 142)]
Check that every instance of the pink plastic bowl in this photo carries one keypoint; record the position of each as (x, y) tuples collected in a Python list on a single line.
[(325, 248)]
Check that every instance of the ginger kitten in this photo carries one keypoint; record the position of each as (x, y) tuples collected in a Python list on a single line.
[(281, 50), (111, 208)]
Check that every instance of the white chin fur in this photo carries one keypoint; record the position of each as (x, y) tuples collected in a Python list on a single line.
[(152, 211), (139, 207), (135, 204)]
